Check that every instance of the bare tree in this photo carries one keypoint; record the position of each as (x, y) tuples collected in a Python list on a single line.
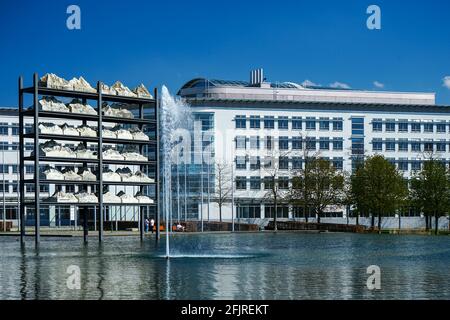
[(223, 185), (272, 183)]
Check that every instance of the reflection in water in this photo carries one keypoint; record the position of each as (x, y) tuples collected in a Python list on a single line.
[(245, 266)]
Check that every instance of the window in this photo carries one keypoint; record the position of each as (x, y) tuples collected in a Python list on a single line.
[(296, 163), (403, 126), (269, 142), (358, 126), (415, 146), (45, 188), (403, 145), (241, 183), (324, 124), (283, 163), (70, 188), (29, 169), (255, 163), (283, 183), (324, 144), (390, 125), (283, 123), (296, 123), (29, 188), (403, 165), (415, 127), (248, 212), (241, 163), (268, 162), (254, 142), (377, 145), (14, 146), (428, 127), (241, 122), (15, 129), (428, 146), (255, 122), (310, 123), (296, 143), (338, 144), (390, 145), (28, 128), (377, 125), (3, 128), (440, 147), (269, 122), (357, 146), (337, 124), (4, 188), (4, 168), (416, 165), (283, 143), (282, 211), (268, 183), (29, 146), (241, 142), (15, 168), (441, 128), (255, 183), (338, 163), (310, 144), (3, 145)]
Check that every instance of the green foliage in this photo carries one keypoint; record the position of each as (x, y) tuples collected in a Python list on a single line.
[(378, 187), (430, 189)]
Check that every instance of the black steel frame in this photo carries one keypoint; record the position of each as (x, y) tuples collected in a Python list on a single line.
[(36, 158)]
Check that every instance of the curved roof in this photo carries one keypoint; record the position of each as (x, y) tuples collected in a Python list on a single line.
[(203, 82)]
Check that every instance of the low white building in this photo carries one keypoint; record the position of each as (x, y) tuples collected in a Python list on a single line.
[(253, 121)]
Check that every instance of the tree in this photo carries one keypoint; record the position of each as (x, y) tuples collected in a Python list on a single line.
[(326, 185), (271, 168), (223, 185), (430, 191), (378, 187)]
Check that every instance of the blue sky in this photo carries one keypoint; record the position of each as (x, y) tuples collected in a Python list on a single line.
[(170, 42)]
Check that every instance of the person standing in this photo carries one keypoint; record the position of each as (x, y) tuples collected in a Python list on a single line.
[(146, 225), (152, 224)]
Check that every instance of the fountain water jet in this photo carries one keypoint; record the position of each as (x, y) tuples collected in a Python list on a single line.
[(175, 114)]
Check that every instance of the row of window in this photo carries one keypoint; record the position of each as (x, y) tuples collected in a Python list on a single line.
[(283, 163), (405, 146), (14, 128), (393, 126), (268, 122), (286, 143), (5, 168), (12, 187), (254, 211)]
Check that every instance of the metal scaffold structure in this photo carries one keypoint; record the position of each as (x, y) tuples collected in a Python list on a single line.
[(147, 109)]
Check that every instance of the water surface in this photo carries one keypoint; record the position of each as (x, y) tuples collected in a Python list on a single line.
[(229, 266)]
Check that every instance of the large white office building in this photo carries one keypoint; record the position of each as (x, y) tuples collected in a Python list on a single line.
[(251, 121)]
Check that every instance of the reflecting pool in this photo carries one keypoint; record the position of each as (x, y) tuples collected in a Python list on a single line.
[(229, 266)]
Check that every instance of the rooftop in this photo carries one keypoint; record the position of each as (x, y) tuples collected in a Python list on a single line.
[(260, 89)]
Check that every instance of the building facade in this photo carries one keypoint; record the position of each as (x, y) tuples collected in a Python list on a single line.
[(260, 125), (52, 216)]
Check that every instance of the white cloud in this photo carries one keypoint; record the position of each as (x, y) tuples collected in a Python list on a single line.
[(309, 83), (378, 84), (446, 82), (339, 85)]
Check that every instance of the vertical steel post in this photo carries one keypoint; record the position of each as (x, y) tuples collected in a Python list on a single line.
[(100, 161), (37, 189), (141, 188), (21, 165)]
